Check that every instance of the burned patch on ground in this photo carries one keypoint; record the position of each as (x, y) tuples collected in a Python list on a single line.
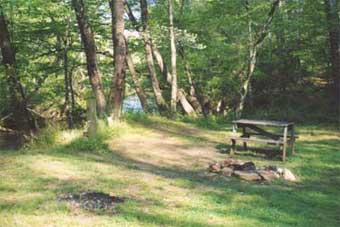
[(92, 201)]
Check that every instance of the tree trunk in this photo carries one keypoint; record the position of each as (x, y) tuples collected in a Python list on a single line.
[(91, 118), (192, 97), (151, 48), (162, 67), (162, 105), (149, 59), (118, 85), (67, 84), (22, 117), (185, 104), (73, 102), (245, 86), (173, 60), (334, 49), (88, 41), (137, 85)]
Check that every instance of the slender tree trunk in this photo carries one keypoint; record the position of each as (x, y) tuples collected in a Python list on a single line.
[(192, 97), (151, 48), (161, 103), (137, 85), (149, 58), (173, 60), (162, 67), (250, 69), (221, 106), (66, 84), (23, 118), (334, 49), (88, 41), (187, 107), (118, 85), (73, 101), (254, 44)]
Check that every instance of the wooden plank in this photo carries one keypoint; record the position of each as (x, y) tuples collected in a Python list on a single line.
[(245, 134), (256, 140), (292, 139), (262, 132), (281, 136), (263, 122), (284, 148)]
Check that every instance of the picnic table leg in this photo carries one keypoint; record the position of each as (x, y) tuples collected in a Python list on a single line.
[(244, 131), (233, 147), (292, 139), (285, 131)]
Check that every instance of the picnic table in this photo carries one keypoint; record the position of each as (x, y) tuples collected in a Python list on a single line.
[(256, 131)]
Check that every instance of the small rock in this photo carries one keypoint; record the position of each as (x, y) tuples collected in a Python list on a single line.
[(247, 166), (248, 176), (268, 175), (271, 168), (280, 171), (226, 171), (288, 175), (215, 167)]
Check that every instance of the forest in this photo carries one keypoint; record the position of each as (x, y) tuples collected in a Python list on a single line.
[(154, 90), (263, 59)]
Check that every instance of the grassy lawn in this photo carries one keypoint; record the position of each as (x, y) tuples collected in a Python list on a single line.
[(160, 167)]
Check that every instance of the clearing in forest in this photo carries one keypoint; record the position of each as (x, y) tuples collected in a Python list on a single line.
[(160, 167)]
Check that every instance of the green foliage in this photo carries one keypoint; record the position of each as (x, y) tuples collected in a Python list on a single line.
[(89, 144), (139, 117), (96, 143), (45, 138), (293, 71)]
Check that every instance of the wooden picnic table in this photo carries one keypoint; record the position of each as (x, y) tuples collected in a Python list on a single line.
[(255, 131)]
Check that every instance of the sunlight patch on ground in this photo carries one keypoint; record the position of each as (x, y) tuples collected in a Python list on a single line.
[(163, 150), (55, 168)]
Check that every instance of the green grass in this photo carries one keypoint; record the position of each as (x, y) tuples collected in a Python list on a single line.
[(160, 166)]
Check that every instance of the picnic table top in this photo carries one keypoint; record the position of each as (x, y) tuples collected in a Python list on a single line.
[(264, 122)]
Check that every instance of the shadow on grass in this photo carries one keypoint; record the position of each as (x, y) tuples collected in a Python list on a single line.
[(287, 204), (268, 153), (176, 129)]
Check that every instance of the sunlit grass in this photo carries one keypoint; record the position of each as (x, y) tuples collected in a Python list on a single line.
[(159, 166)]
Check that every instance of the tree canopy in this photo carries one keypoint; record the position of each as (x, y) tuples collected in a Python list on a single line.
[(274, 59)]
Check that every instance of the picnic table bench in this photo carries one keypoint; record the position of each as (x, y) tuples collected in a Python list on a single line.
[(255, 131)]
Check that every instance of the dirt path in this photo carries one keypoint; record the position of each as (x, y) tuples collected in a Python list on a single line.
[(162, 149)]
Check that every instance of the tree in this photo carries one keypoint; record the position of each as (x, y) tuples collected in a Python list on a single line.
[(173, 60), (88, 41), (118, 84), (144, 31), (22, 117), (255, 41), (334, 49), (136, 82)]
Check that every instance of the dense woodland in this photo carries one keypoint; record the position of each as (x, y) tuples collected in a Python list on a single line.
[(276, 59)]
